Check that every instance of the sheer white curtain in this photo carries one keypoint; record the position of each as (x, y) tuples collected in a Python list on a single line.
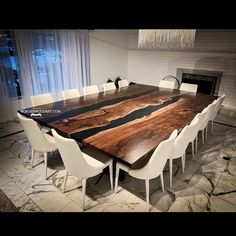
[(6, 105), (8, 89), (75, 59), (51, 61)]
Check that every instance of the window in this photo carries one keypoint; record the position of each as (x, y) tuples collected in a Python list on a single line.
[(9, 64), (47, 59)]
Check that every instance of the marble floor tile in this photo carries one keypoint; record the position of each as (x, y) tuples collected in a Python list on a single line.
[(4, 179), (183, 205), (28, 181), (10, 164), (102, 201), (18, 197), (217, 204), (154, 209), (228, 196), (2, 146), (41, 190), (231, 167), (10, 127), (201, 181), (16, 169), (195, 196), (14, 193), (40, 169), (71, 184), (76, 197), (226, 188), (21, 148), (226, 117), (54, 202), (71, 207), (58, 179), (226, 181), (30, 206), (191, 167), (215, 162), (201, 155), (5, 204), (208, 183), (162, 201), (205, 181), (178, 185), (137, 186), (133, 206), (10, 141), (5, 155), (54, 164), (100, 184), (122, 201), (158, 199)]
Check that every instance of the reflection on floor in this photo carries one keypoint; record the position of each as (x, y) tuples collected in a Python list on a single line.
[(208, 184)]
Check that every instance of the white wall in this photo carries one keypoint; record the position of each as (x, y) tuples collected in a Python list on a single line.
[(114, 53), (108, 55), (214, 50)]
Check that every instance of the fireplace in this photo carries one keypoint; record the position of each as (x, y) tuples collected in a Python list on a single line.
[(208, 81), (206, 84)]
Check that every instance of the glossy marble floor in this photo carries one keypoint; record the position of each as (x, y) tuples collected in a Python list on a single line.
[(208, 184)]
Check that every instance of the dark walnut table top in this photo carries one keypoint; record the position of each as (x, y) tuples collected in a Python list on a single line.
[(126, 123)]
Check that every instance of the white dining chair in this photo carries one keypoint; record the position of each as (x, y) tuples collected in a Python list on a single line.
[(154, 166), (167, 84), (90, 90), (192, 88), (70, 93), (39, 141), (41, 99), (201, 117), (80, 164), (108, 86), (219, 102), (210, 110), (123, 83), (180, 145)]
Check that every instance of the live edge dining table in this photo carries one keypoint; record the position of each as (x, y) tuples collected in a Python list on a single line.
[(127, 123)]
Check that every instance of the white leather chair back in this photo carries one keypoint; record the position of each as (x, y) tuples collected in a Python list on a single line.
[(157, 162), (167, 84), (210, 112), (41, 99), (109, 86), (38, 140), (218, 105), (90, 90), (188, 87), (183, 139), (70, 93), (73, 158), (123, 83), (200, 117)]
